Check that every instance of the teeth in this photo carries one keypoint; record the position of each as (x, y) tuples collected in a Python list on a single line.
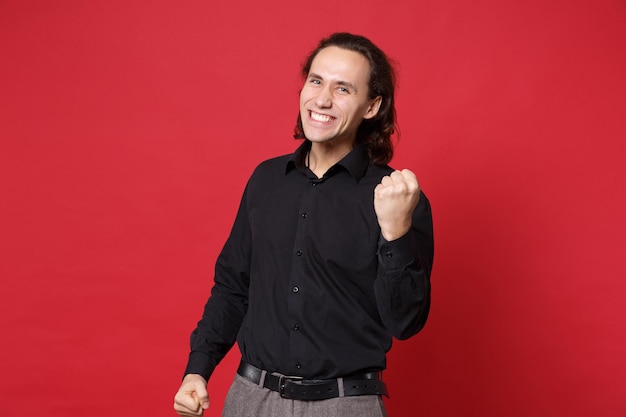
[(320, 117)]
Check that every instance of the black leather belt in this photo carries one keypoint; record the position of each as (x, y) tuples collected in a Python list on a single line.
[(297, 388)]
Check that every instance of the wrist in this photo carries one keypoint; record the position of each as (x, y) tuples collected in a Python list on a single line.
[(195, 378), (393, 232)]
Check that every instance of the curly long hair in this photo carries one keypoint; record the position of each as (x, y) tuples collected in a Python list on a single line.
[(375, 132)]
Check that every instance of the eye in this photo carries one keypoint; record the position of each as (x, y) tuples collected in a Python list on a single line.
[(343, 90), (315, 81)]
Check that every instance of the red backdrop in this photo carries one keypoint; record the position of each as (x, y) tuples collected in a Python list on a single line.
[(129, 128)]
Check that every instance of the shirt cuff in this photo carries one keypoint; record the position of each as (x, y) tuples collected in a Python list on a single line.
[(397, 254), (201, 364)]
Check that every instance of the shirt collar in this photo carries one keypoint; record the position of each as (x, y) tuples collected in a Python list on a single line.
[(355, 162)]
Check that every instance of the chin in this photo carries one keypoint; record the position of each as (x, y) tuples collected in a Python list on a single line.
[(319, 139)]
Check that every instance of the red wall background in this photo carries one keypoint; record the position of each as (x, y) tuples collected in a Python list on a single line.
[(128, 130)]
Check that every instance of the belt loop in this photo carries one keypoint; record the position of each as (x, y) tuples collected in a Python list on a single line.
[(262, 378), (340, 387)]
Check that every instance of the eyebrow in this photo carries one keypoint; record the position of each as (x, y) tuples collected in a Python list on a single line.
[(342, 83)]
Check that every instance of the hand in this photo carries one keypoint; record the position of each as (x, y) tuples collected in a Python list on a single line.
[(192, 397), (395, 199)]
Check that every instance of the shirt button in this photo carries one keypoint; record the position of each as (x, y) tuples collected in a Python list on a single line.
[(303, 215), (299, 253), (298, 365), (295, 289), (389, 254), (296, 326)]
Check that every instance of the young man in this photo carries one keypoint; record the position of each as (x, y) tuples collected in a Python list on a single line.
[(328, 259)]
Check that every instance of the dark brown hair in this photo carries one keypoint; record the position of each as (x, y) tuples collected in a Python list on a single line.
[(375, 132)]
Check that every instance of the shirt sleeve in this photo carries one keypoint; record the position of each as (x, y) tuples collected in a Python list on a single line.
[(226, 307), (402, 286)]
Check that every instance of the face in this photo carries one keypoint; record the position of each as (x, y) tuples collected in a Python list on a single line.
[(335, 98)]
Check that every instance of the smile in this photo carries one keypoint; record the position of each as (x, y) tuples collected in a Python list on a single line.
[(320, 117)]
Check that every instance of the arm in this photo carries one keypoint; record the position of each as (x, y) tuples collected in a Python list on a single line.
[(405, 253), (223, 314)]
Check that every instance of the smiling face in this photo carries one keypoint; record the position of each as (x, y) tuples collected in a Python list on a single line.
[(335, 97)]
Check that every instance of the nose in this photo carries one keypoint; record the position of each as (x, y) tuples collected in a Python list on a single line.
[(324, 98)]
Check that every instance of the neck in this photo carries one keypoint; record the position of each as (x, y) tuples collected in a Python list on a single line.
[(322, 156)]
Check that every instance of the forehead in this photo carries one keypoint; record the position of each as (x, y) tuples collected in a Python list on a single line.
[(341, 64)]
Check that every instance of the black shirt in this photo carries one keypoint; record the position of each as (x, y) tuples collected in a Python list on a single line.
[(305, 281)]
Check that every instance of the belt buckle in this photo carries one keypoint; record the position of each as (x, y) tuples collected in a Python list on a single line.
[(281, 384)]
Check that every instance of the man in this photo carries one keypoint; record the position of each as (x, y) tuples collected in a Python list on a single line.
[(328, 259)]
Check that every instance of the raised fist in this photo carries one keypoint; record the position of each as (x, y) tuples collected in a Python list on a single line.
[(395, 199)]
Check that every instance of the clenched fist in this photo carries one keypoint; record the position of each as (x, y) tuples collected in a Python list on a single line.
[(192, 398), (395, 199)]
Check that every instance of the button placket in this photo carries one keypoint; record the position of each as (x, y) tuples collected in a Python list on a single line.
[(297, 281)]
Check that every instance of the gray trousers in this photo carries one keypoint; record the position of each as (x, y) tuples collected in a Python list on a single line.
[(246, 399)]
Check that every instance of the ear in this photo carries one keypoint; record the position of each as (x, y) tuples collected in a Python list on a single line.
[(372, 109)]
